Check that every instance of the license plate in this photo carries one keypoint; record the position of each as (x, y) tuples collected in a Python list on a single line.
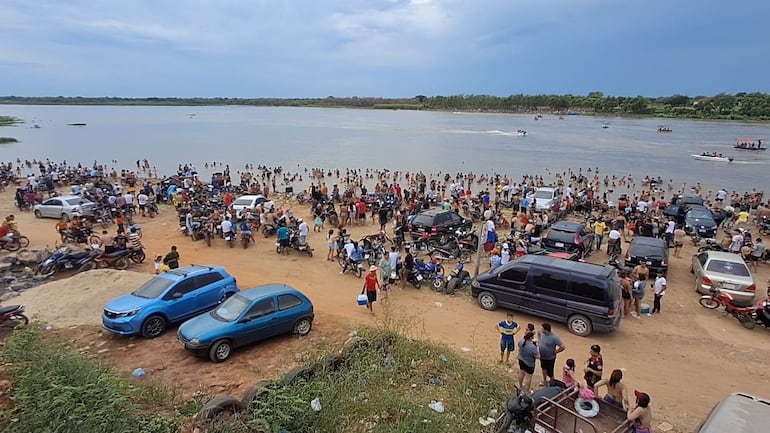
[(419, 278), (227, 238), (702, 230), (366, 256), (728, 286), (559, 244)]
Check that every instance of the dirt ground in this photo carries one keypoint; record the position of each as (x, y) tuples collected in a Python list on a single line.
[(688, 358)]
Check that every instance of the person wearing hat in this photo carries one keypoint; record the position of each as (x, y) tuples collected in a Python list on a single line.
[(641, 413), (494, 259), (303, 230), (371, 284), (505, 254)]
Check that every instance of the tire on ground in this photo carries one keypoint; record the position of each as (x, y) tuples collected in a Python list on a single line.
[(303, 372), (223, 403), (255, 392)]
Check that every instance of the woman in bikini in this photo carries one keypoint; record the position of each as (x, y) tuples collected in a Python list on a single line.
[(617, 392), (641, 414)]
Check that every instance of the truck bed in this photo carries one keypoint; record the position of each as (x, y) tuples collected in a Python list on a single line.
[(558, 415)]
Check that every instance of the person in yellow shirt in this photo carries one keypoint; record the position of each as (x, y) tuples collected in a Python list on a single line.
[(599, 229), (743, 217), (507, 328)]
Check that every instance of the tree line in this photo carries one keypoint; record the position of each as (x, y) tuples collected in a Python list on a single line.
[(739, 106)]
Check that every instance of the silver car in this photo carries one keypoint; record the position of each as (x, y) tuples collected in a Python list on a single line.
[(545, 198), (715, 267), (65, 206)]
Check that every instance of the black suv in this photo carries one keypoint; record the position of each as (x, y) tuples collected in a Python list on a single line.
[(438, 222), (652, 251), (569, 236)]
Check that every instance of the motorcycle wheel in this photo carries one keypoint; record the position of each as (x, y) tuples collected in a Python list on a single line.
[(138, 256), (451, 286), (416, 283), (309, 252), (208, 239), (47, 270), (20, 319), (746, 320), (121, 264), (709, 302), (95, 240), (230, 242), (278, 249), (85, 267), (438, 283), (23, 241), (702, 249), (358, 271), (12, 245), (245, 242)]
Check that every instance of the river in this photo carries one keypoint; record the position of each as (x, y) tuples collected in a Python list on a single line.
[(397, 140)]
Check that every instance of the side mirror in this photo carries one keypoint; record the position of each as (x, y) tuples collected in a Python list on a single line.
[(177, 295)]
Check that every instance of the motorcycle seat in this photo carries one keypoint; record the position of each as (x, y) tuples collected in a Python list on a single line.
[(741, 304), (8, 309), (79, 255), (114, 254)]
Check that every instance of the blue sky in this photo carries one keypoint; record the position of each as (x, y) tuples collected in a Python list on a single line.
[(390, 48)]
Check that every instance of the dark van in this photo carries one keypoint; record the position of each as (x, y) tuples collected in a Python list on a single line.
[(585, 296)]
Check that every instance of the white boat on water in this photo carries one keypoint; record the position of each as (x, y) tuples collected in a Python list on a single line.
[(713, 158)]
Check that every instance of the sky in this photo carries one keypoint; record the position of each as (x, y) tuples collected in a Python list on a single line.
[(387, 48)]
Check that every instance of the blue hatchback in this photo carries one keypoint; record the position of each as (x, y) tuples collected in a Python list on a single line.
[(249, 316), (169, 297)]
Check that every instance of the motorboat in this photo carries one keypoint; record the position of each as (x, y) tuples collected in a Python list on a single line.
[(750, 144), (713, 157), (605, 125), (521, 132), (663, 128)]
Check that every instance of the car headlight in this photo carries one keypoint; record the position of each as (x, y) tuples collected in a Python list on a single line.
[(195, 341), (128, 313)]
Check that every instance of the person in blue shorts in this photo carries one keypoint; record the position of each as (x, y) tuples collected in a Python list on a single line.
[(507, 328)]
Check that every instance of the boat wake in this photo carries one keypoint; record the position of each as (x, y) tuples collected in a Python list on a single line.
[(489, 132)]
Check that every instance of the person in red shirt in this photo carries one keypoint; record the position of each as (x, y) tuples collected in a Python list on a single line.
[(371, 284), (361, 212)]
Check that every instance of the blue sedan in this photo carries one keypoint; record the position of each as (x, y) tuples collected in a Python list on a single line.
[(248, 316)]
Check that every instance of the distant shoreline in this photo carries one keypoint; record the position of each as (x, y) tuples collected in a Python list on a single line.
[(719, 107)]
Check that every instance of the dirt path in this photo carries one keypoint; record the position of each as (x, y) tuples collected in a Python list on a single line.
[(687, 359)]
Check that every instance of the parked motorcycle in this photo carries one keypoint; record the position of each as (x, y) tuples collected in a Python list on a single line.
[(65, 259), (431, 271), (520, 407), (13, 316), (117, 259), (356, 267), (81, 236), (744, 311), (712, 245), (415, 278), (295, 244), (245, 240), (459, 277)]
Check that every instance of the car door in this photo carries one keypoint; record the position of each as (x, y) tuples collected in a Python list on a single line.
[(182, 300), (209, 291), (258, 322), (455, 221), (52, 208), (549, 297), (511, 286), (698, 262), (289, 310)]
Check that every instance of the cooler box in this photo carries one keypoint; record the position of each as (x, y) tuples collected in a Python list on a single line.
[(362, 300)]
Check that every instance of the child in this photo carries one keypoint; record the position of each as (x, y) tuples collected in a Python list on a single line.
[(318, 224), (531, 328), (568, 374), (331, 244), (158, 263)]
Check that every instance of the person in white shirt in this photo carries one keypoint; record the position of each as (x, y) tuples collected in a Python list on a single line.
[(129, 198), (227, 228), (737, 242), (118, 189), (505, 254), (614, 242), (303, 229), (721, 195), (660, 290), (670, 226), (142, 200)]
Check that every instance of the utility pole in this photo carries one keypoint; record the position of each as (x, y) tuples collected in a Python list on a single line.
[(479, 247)]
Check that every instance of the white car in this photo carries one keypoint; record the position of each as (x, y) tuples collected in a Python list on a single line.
[(545, 198), (251, 202), (65, 206)]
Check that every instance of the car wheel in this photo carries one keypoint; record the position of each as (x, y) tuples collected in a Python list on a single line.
[(153, 326), (38, 214), (65, 217), (303, 326), (580, 325), (487, 301), (220, 351)]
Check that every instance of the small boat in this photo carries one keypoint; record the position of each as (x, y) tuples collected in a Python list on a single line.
[(605, 125), (521, 132), (713, 157), (537, 118), (663, 128), (750, 144), (76, 124)]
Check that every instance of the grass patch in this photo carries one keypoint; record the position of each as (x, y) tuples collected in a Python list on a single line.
[(9, 120), (4, 140), (56, 389), (384, 389)]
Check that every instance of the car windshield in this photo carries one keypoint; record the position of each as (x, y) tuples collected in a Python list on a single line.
[(699, 213), (544, 194), (242, 202), (646, 251), (76, 201), (231, 308), (425, 220), (561, 235), (153, 288), (730, 268)]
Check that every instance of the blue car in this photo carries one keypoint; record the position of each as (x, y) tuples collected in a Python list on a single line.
[(249, 316), (170, 297)]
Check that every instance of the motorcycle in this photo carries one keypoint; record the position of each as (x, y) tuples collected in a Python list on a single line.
[(81, 236), (712, 245), (13, 316), (152, 209), (744, 311), (269, 229), (432, 271), (295, 244), (459, 277), (117, 259), (14, 242), (357, 267), (520, 407), (245, 240), (229, 238), (65, 259), (762, 313), (414, 277)]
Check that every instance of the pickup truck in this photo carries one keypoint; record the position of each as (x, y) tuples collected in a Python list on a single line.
[(558, 415)]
